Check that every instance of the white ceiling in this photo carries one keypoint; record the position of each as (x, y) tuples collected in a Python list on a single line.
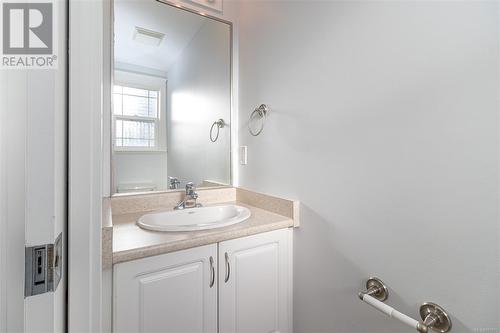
[(178, 26)]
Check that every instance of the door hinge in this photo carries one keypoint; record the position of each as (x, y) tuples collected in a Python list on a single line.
[(43, 267)]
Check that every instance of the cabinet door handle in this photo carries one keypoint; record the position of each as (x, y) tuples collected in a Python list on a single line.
[(228, 268), (212, 272)]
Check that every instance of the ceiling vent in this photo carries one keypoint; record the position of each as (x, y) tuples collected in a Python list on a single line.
[(148, 37)]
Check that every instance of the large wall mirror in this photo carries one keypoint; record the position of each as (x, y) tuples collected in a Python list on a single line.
[(171, 98)]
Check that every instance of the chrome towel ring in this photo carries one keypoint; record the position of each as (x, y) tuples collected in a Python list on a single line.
[(219, 123), (258, 113)]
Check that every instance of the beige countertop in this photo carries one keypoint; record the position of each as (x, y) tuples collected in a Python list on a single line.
[(107, 234), (131, 242)]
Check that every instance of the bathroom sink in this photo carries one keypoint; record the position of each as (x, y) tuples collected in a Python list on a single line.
[(193, 219)]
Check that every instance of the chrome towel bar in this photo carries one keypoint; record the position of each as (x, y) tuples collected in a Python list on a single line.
[(433, 316)]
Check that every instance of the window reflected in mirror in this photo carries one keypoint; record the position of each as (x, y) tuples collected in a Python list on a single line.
[(135, 118)]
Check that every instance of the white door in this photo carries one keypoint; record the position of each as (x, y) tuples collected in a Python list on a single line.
[(33, 195), (255, 285), (174, 292)]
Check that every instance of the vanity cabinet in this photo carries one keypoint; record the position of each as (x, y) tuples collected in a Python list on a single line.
[(235, 286)]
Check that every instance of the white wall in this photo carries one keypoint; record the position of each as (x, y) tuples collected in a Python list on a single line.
[(198, 94), (384, 124)]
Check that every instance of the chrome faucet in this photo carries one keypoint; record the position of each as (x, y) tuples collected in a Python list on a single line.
[(173, 183), (189, 200)]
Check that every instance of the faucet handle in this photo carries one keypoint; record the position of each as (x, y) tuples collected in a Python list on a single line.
[(173, 182)]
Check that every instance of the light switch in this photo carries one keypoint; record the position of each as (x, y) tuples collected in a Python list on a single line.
[(243, 155)]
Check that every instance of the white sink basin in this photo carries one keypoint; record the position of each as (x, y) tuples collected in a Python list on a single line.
[(194, 218)]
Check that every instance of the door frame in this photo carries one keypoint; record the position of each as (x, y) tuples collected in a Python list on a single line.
[(86, 76)]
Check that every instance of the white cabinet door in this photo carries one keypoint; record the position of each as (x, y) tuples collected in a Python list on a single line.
[(174, 292), (255, 284)]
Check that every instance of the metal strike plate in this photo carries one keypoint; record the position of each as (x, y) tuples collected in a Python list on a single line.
[(43, 267)]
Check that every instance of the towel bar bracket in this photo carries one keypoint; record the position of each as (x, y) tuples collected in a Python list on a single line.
[(435, 317), (375, 288)]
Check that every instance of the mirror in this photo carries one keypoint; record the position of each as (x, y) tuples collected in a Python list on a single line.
[(171, 98)]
